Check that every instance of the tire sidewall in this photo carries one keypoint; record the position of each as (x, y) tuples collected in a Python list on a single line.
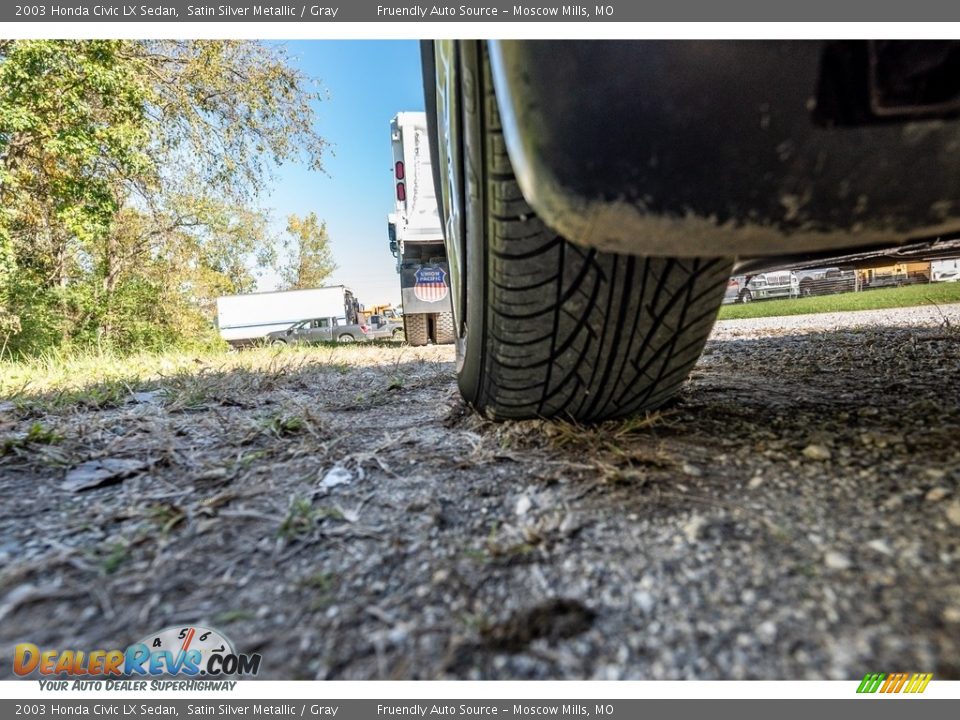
[(462, 139)]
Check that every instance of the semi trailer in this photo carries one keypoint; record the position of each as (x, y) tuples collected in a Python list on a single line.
[(416, 235)]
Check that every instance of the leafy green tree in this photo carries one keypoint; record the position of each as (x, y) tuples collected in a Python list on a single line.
[(310, 257), (129, 175)]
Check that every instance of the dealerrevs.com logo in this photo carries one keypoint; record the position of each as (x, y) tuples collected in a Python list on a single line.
[(182, 651)]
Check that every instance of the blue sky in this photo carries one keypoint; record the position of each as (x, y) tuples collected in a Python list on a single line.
[(367, 82)]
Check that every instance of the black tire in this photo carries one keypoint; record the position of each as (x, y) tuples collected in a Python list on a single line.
[(415, 329), (551, 328), (346, 338), (397, 335), (444, 328), (746, 296)]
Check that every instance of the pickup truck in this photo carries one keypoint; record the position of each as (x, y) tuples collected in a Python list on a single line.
[(318, 330), (382, 327)]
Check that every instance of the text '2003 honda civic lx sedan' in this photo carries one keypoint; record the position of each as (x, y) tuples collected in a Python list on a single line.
[(597, 196)]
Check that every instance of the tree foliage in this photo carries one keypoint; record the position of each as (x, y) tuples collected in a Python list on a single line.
[(129, 176), (310, 257)]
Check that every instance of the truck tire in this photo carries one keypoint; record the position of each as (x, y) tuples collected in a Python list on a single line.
[(415, 329), (444, 328), (551, 328)]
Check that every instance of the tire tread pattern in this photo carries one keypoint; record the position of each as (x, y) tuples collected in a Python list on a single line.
[(575, 332)]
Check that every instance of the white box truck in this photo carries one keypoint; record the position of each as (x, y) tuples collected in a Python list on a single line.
[(416, 236), (945, 271), (244, 319)]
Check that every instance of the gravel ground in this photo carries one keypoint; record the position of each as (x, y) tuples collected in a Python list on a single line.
[(795, 514)]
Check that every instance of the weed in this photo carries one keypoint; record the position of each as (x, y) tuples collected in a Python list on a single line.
[(116, 556), (322, 586), (37, 434), (167, 516), (285, 425), (302, 516)]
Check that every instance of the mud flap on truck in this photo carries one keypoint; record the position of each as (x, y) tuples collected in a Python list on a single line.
[(425, 291)]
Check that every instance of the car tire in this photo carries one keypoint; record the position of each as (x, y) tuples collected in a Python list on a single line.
[(279, 343), (397, 335), (746, 296), (415, 329), (346, 338), (545, 327)]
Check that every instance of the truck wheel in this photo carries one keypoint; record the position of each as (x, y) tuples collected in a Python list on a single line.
[(550, 328), (444, 328), (746, 296), (415, 328), (397, 334), (346, 338)]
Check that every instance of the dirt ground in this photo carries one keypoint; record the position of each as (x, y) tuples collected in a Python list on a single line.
[(795, 514)]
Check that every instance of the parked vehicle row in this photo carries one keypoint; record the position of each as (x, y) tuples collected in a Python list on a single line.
[(830, 281)]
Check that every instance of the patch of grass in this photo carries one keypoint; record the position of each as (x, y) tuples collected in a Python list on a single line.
[(322, 586), (166, 516), (396, 383), (37, 434), (116, 555), (302, 516), (234, 616), (878, 299), (285, 425)]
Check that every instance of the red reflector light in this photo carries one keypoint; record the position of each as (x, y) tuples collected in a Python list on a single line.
[(399, 169), (363, 328), (401, 192)]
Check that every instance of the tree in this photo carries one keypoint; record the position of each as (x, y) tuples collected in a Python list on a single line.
[(129, 174), (310, 257)]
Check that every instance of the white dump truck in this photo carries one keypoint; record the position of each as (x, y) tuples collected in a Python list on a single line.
[(249, 318), (416, 235)]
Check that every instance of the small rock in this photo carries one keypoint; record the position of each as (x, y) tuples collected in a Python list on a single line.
[(881, 546), (691, 470), (691, 529), (816, 452), (146, 396), (644, 600), (937, 494), (767, 631), (337, 475), (894, 502), (571, 524), (755, 482), (836, 561), (953, 513), (935, 473), (951, 614), (523, 505)]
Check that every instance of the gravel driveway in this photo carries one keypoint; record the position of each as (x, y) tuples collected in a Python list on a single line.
[(796, 514)]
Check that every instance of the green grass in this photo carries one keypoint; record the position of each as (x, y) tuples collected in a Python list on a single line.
[(909, 296)]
